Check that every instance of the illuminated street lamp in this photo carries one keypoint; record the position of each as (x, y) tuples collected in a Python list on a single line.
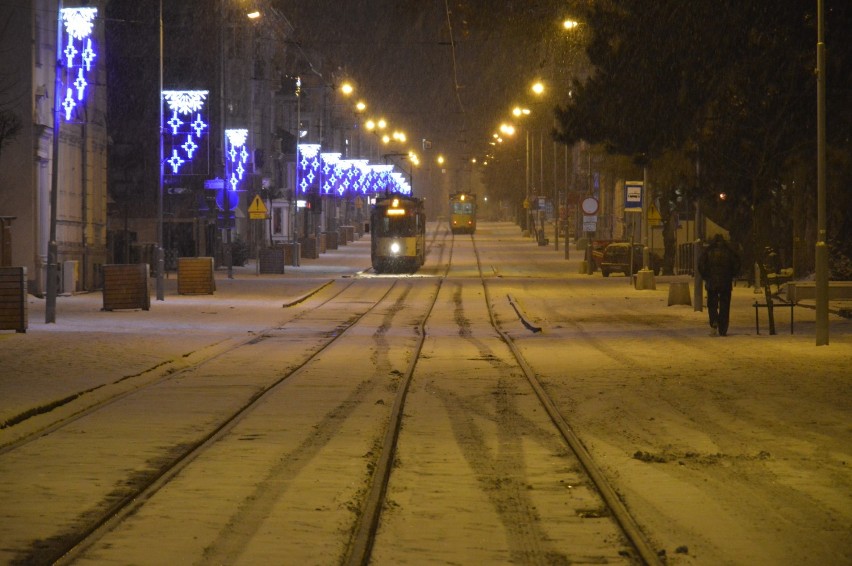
[(507, 129), (570, 24)]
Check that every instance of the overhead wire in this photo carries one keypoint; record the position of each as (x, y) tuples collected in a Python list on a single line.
[(453, 51)]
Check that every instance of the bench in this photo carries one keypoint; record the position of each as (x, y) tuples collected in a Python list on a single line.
[(774, 304)]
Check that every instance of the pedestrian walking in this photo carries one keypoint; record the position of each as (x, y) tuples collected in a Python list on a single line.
[(718, 266)]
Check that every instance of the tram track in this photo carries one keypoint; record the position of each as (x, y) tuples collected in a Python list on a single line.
[(65, 546), (628, 524), (82, 403), (360, 549), (499, 479)]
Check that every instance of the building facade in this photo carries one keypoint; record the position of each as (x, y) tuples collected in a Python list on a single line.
[(28, 73)]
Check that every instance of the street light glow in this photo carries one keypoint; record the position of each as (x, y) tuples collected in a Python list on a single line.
[(518, 111), (570, 24), (347, 88), (253, 15), (538, 87)]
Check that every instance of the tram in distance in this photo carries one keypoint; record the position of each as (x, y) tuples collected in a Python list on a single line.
[(397, 234), (463, 213)]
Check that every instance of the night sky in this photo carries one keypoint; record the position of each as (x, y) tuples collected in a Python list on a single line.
[(445, 71)]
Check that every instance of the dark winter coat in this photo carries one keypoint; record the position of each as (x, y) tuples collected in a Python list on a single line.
[(719, 264)]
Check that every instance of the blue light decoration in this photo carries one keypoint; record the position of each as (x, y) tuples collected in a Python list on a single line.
[(321, 173), (331, 173), (347, 170), (236, 156), (308, 162), (400, 185), (362, 177), (184, 132), (78, 55), (383, 182)]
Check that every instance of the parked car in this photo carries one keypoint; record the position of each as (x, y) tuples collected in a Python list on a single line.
[(598, 247), (616, 259)]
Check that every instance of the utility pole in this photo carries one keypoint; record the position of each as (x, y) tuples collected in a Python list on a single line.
[(821, 255), (52, 251)]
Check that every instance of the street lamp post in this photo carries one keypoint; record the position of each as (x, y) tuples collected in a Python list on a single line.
[(821, 252), (52, 248), (161, 263)]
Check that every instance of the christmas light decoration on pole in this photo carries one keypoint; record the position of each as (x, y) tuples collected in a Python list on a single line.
[(78, 55), (184, 130), (308, 163), (237, 156), (73, 63)]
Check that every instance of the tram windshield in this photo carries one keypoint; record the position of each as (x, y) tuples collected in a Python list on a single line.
[(402, 225), (460, 207)]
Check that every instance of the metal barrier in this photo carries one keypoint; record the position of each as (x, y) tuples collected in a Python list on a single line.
[(685, 259)]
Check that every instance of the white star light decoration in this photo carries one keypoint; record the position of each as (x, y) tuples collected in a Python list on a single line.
[(237, 156), (182, 131), (78, 24), (308, 165), (327, 174)]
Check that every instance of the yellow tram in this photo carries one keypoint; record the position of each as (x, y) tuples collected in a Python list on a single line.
[(397, 234), (463, 213)]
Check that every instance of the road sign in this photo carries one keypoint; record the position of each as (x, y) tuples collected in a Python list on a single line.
[(633, 202), (590, 226), (590, 206), (257, 209), (654, 218)]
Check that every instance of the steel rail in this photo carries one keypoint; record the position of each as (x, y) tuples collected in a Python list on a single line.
[(361, 543), (625, 520), (166, 370), (130, 503)]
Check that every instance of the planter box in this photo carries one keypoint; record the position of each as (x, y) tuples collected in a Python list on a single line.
[(195, 276), (272, 259), (13, 298), (126, 286), (309, 248), (331, 240)]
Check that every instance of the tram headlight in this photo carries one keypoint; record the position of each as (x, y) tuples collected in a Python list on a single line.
[(395, 248)]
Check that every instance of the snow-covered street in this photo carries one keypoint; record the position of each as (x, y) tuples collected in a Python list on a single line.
[(727, 450)]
